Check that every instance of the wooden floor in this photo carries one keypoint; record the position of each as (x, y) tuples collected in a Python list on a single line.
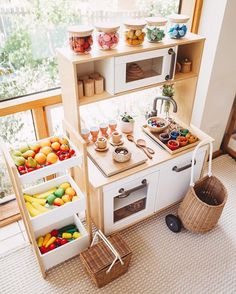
[(9, 213)]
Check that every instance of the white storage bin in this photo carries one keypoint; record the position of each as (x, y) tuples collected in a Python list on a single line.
[(68, 250), (60, 212), (53, 168)]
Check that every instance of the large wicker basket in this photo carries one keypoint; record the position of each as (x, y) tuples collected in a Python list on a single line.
[(204, 202), (106, 260)]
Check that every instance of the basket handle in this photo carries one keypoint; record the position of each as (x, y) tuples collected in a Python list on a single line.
[(203, 142), (110, 246)]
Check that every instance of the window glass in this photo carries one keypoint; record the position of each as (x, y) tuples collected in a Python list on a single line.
[(31, 30), (14, 129)]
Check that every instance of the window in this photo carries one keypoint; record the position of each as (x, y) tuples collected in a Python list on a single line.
[(30, 32)]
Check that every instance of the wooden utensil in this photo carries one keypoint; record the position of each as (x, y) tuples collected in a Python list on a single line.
[(143, 143), (131, 138)]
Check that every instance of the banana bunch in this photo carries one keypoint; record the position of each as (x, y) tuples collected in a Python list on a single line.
[(35, 204)]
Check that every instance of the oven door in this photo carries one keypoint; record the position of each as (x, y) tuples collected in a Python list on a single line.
[(130, 201), (150, 67)]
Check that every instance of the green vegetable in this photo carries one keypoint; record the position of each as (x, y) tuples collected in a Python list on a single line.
[(51, 198), (59, 192), (66, 228)]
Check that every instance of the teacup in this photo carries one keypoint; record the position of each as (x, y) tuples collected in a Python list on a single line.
[(116, 137), (101, 143)]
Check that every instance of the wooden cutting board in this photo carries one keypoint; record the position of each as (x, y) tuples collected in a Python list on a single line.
[(108, 166)]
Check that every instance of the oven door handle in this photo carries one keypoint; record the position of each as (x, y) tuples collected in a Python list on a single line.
[(125, 193), (172, 64)]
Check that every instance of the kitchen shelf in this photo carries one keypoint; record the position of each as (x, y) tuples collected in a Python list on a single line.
[(58, 213), (45, 171), (95, 98)]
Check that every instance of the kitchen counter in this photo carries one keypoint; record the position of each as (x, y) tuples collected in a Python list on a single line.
[(98, 179)]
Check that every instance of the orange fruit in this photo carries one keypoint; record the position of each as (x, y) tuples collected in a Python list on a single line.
[(70, 191), (66, 198), (45, 143), (46, 150), (64, 147), (40, 158), (63, 141), (52, 158), (55, 146), (54, 139)]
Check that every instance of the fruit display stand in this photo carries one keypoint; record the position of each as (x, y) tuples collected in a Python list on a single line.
[(36, 225)]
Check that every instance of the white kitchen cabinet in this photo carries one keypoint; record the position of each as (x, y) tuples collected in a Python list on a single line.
[(129, 200), (174, 178)]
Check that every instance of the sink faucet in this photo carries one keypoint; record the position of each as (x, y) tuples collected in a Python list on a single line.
[(154, 110)]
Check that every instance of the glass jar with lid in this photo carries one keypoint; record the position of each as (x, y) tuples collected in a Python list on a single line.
[(107, 36), (178, 27), (80, 39), (134, 32), (156, 28)]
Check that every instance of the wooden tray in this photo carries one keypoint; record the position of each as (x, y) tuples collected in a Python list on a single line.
[(108, 166), (155, 137)]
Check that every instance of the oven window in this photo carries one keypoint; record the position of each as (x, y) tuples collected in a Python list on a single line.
[(129, 202), (143, 69)]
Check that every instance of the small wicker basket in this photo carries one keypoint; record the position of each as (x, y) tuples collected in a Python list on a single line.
[(106, 260), (203, 204)]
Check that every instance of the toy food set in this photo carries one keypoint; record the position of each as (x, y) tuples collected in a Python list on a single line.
[(57, 238), (107, 37), (80, 39), (90, 84), (134, 33), (40, 203), (178, 28), (37, 155), (156, 28), (174, 138)]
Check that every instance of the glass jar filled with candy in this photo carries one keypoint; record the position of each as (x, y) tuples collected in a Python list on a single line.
[(156, 28), (178, 28), (107, 36), (80, 39), (134, 32)]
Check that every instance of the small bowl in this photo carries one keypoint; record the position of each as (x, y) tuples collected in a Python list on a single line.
[(121, 154), (164, 137), (157, 124), (183, 132), (173, 144), (174, 135), (183, 141), (191, 138)]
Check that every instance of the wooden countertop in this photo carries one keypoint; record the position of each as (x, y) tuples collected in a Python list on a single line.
[(97, 179)]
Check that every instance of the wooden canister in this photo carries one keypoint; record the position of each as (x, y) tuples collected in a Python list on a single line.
[(186, 65), (80, 89), (94, 75), (99, 85), (83, 78), (89, 88)]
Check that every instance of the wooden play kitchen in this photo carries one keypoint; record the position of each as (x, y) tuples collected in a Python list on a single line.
[(126, 177)]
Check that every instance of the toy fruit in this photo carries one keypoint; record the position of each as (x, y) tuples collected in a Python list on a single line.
[(46, 143), (50, 241), (58, 202), (35, 147), (51, 246), (46, 150), (52, 158), (58, 241), (64, 185), (64, 147), (66, 228), (173, 144), (70, 191), (66, 235), (46, 239), (23, 148), (45, 194), (18, 160), (31, 162), (51, 198), (66, 198), (64, 241), (16, 153), (54, 139), (56, 146), (39, 207), (43, 249), (32, 199), (32, 211), (59, 192), (40, 158), (63, 141), (28, 153), (54, 233), (76, 235), (40, 241)]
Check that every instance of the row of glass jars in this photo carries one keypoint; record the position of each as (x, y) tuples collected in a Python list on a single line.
[(80, 37)]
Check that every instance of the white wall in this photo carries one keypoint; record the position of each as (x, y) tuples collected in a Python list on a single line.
[(217, 80)]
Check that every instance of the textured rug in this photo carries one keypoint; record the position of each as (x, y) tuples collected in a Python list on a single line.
[(163, 262)]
